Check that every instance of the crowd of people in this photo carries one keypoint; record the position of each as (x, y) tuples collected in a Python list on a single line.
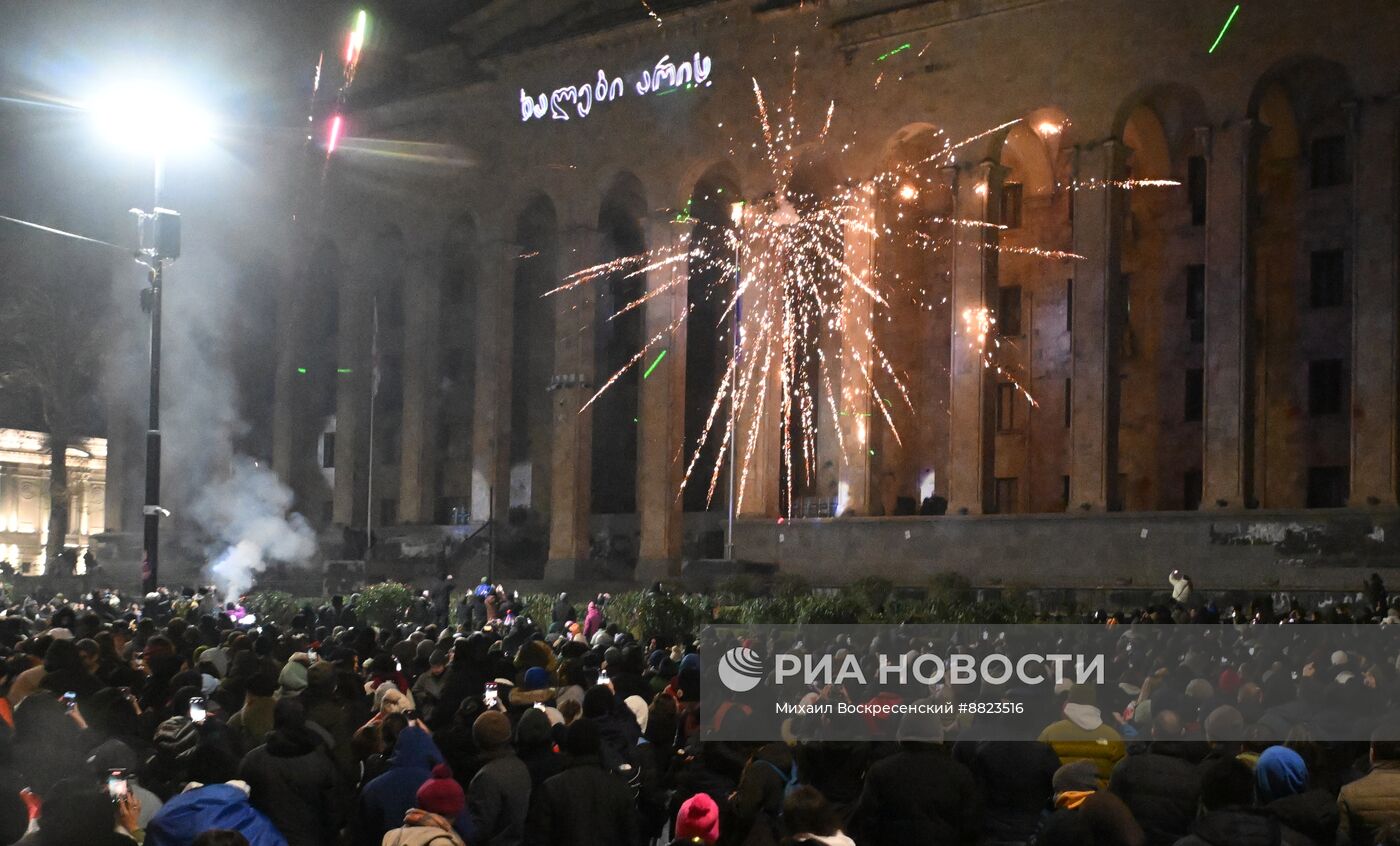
[(175, 720)]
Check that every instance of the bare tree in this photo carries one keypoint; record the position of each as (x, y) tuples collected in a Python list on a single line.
[(54, 296)]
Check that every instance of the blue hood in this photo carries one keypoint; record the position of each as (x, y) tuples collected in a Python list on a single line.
[(1279, 773), (415, 748)]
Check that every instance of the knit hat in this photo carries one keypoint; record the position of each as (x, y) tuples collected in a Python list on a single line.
[(441, 794), (532, 730), (536, 678), (491, 730), (1280, 772), (698, 819), (1078, 776), (1199, 689)]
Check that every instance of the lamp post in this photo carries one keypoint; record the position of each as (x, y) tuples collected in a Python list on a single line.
[(143, 117)]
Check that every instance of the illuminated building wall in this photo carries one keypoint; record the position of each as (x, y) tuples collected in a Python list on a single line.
[(25, 497)]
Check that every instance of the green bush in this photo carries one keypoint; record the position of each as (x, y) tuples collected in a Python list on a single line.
[(790, 586), (951, 587), (871, 591), (272, 606), (385, 604), (739, 588)]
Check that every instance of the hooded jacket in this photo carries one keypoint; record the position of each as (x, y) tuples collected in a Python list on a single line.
[(1082, 735), (185, 816), (386, 799), (1241, 827), (295, 782)]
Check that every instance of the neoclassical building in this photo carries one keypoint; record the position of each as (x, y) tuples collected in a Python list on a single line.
[(1214, 377)]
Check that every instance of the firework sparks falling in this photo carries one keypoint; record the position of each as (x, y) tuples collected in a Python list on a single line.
[(803, 303)]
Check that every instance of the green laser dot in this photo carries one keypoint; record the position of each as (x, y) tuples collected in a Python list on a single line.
[(301, 370), (342, 370)]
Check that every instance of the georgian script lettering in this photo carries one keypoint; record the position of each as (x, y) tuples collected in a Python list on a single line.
[(569, 101)]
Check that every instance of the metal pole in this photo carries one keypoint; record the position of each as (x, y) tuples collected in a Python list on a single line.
[(150, 571), (150, 575)]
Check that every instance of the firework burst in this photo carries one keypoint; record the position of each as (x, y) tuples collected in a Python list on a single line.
[(799, 306)]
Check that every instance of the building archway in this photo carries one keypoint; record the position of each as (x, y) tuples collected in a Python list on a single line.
[(456, 401), (708, 337), (532, 354)]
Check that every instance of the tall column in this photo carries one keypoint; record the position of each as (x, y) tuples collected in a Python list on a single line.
[(284, 393), (1228, 432), (758, 420), (490, 494), (1374, 348), (422, 363), (571, 386), (972, 385), (661, 437), (1097, 327), (352, 400), (856, 369)]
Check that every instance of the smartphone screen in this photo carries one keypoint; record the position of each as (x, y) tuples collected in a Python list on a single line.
[(604, 678), (70, 700), (198, 710), (490, 697), (117, 785)]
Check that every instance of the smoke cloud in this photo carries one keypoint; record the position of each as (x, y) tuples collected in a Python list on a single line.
[(248, 512)]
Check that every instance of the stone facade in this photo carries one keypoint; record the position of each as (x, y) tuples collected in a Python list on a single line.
[(1226, 345), (26, 494)]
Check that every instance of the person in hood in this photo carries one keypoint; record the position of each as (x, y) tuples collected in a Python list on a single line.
[(1281, 782), (592, 621), (1227, 796), (809, 818), (437, 817), (1082, 734), (293, 780), (185, 816), (386, 799)]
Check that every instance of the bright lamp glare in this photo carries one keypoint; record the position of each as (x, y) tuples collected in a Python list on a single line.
[(149, 119)]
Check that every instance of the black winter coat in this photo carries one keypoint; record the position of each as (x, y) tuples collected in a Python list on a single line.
[(295, 782), (917, 796), (1015, 780), (584, 806), (1162, 789)]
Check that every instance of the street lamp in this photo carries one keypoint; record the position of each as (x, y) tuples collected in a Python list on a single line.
[(150, 120)]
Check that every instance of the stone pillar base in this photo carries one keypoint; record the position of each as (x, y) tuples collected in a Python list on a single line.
[(563, 569), (651, 570)]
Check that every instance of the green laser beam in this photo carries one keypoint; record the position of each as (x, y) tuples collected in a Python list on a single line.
[(342, 370), (1228, 21), (900, 49), (653, 364)]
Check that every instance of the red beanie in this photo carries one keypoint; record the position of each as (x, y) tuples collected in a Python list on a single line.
[(699, 818), (441, 794)]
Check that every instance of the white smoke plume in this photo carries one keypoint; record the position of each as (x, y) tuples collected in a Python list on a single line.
[(249, 513)]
